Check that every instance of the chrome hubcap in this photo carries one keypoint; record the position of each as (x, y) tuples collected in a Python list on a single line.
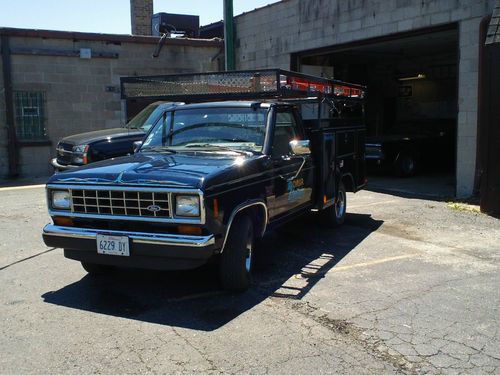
[(248, 259), (409, 165), (340, 205)]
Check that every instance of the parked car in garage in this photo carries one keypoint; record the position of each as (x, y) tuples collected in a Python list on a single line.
[(411, 148), (85, 148)]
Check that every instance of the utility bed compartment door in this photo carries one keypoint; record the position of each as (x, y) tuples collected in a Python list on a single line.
[(324, 150), (346, 143), (328, 167)]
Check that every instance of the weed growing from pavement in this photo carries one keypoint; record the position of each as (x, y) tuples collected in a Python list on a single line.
[(463, 207)]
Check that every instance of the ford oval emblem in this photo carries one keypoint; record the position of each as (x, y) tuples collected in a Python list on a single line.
[(153, 208)]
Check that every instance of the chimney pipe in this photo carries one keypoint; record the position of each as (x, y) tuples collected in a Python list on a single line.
[(141, 12)]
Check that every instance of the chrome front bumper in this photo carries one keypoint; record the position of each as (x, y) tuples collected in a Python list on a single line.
[(160, 239), (62, 167)]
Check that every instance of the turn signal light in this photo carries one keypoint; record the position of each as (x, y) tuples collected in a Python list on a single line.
[(63, 221), (85, 155), (189, 229)]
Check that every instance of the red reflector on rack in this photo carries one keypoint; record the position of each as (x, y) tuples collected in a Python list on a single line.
[(302, 84)]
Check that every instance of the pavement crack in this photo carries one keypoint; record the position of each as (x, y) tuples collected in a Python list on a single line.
[(213, 367), (27, 258), (376, 347)]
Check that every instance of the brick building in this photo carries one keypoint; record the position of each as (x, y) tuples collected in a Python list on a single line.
[(65, 83)]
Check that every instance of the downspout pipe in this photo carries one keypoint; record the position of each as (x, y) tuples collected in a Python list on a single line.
[(229, 35), (12, 146)]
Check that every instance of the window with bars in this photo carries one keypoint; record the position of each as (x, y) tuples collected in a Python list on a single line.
[(30, 115)]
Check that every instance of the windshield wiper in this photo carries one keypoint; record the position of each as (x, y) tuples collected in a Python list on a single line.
[(159, 149), (218, 147), (243, 148)]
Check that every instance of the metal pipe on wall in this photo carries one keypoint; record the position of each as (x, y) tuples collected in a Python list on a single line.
[(229, 35), (12, 146)]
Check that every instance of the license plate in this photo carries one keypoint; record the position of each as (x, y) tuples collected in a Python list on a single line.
[(113, 245)]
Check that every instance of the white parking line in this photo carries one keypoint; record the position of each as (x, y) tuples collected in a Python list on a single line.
[(373, 262), (9, 188), (371, 204)]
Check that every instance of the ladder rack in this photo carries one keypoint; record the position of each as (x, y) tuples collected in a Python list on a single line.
[(237, 85)]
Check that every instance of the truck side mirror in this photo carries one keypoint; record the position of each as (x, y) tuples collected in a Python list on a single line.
[(300, 147), (137, 146)]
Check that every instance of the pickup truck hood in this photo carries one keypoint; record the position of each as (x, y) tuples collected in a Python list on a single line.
[(89, 137), (155, 169)]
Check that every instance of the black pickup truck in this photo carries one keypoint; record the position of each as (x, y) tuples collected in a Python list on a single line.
[(214, 175), (404, 151), (85, 148)]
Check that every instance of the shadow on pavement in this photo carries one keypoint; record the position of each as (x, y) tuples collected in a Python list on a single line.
[(289, 263)]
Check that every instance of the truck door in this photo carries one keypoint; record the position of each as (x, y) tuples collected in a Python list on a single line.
[(293, 174)]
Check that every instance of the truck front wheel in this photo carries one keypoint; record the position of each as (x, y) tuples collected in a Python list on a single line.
[(236, 260), (334, 215)]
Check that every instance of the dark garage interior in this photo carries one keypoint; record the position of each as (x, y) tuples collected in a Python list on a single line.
[(411, 107)]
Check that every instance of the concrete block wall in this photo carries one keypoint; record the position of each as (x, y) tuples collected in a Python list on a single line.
[(268, 36), (84, 94), (468, 79), (4, 165)]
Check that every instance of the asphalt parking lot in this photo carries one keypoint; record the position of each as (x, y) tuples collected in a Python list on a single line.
[(405, 286)]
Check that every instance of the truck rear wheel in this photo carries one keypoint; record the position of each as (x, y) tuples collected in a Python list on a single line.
[(406, 165), (334, 215), (235, 265)]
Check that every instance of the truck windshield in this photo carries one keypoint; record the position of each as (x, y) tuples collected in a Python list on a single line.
[(220, 128), (145, 118)]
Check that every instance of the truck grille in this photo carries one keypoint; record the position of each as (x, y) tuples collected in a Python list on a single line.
[(120, 203), (64, 153)]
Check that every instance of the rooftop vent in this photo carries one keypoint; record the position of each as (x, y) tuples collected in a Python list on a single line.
[(179, 24)]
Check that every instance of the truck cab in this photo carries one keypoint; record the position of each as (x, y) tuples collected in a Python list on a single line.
[(209, 179)]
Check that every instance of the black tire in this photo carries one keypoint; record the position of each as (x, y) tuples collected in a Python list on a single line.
[(96, 269), (334, 215), (406, 165), (236, 260)]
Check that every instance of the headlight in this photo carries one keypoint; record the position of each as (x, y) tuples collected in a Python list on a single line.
[(61, 199), (80, 154), (187, 205), (80, 149)]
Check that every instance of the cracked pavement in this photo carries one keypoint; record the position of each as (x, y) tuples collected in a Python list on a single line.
[(405, 286)]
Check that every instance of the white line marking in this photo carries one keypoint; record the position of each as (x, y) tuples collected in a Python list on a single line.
[(372, 204), (21, 187), (373, 262), (337, 268)]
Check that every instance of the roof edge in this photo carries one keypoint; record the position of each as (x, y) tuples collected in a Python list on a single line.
[(112, 38)]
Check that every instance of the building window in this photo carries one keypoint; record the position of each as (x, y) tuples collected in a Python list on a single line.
[(30, 115)]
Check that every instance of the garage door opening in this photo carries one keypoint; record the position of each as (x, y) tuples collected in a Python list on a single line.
[(411, 108)]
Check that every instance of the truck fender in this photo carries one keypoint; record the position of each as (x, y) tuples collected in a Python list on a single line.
[(260, 228)]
